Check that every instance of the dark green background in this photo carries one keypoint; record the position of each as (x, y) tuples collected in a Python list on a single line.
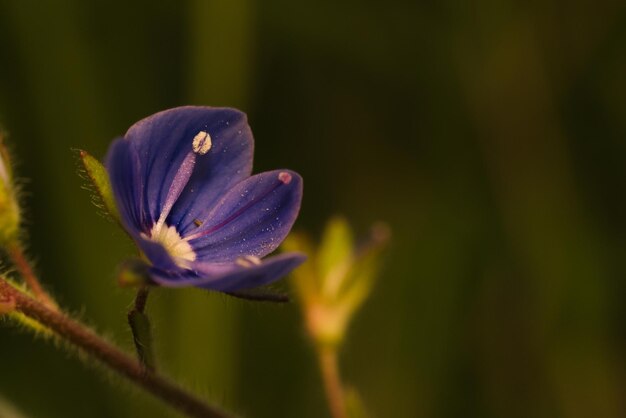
[(489, 134)]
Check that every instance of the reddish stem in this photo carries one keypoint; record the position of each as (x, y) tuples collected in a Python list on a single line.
[(332, 381), (87, 340), (24, 268)]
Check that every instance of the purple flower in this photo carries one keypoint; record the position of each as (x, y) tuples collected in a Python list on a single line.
[(182, 183)]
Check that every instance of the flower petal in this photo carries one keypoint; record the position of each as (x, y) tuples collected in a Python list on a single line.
[(226, 277), (163, 140), (123, 166), (251, 219)]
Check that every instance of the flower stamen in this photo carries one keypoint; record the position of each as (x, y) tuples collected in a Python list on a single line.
[(202, 143), (176, 188)]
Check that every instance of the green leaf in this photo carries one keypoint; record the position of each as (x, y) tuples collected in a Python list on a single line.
[(100, 180)]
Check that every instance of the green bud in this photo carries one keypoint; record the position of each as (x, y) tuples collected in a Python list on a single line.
[(9, 209), (99, 178), (337, 279)]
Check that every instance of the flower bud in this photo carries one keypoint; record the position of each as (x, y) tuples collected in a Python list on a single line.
[(9, 209), (337, 279)]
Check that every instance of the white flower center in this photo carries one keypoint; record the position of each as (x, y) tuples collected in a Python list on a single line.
[(180, 250)]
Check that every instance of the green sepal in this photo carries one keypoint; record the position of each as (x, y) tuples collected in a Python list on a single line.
[(360, 279), (99, 178), (142, 334)]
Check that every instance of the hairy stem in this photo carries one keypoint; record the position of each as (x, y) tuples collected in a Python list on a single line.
[(329, 366), (111, 356), (24, 268)]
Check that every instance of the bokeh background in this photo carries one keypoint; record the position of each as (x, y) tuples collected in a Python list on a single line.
[(490, 135)]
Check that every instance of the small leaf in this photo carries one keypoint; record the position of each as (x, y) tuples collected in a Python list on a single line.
[(100, 180)]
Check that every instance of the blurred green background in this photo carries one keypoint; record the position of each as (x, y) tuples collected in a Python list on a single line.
[(489, 134)]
